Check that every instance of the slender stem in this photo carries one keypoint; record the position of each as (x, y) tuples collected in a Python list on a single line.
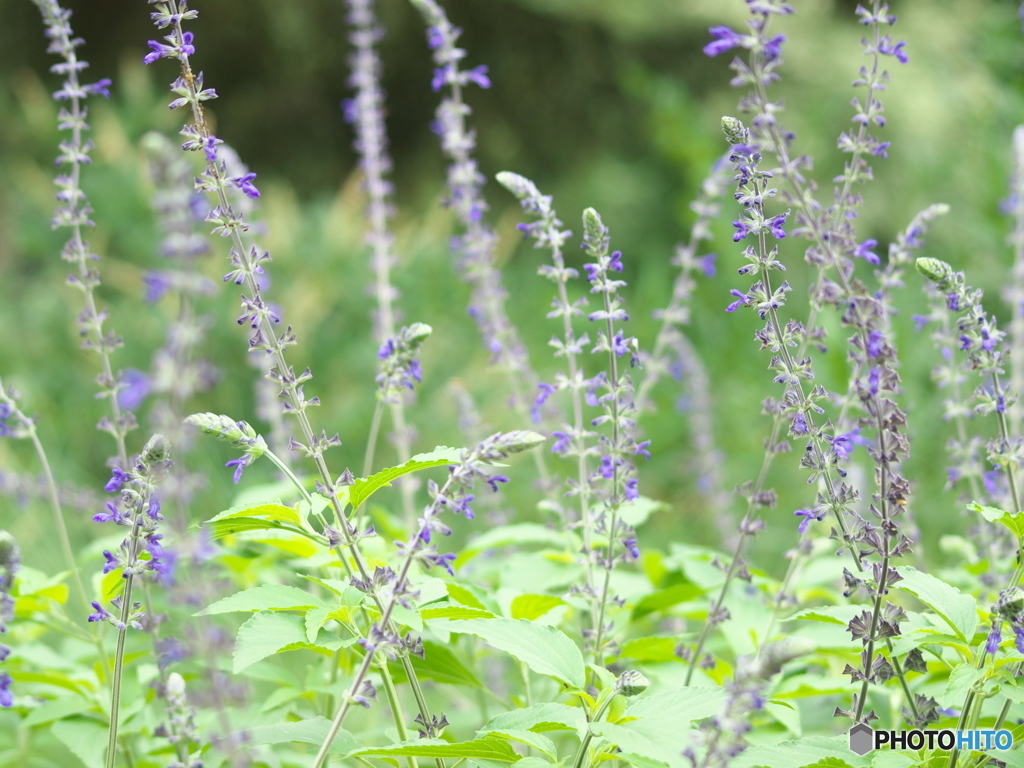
[(581, 753), (396, 708)]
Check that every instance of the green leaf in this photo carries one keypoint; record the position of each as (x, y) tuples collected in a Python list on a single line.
[(995, 515), (268, 597), (439, 664), (487, 748), (315, 619), (270, 511), (545, 650), (958, 610), (961, 679), (58, 709), (541, 743), (649, 649), (831, 614), (539, 717), (635, 513), (681, 706), (628, 740), (311, 731), (640, 761), (532, 607), (799, 753), (365, 487), (463, 595), (87, 740), (666, 598), (265, 634), (455, 612), (519, 534)]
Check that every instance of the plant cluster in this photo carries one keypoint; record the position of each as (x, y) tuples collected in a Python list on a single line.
[(553, 635)]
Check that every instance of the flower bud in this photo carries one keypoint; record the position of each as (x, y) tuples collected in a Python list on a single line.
[(632, 683), (936, 270)]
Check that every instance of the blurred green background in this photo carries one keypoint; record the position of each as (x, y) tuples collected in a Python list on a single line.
[(603, 103)]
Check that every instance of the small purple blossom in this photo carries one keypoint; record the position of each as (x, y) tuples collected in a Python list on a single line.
[(6, 697), (245, 184), (726, 40), (775, 225), (808, 515), (887, 48), (117, 479), (741, 300), (863, 251), (994, 638)]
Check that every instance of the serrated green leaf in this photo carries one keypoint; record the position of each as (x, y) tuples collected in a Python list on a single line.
[(539, 717), (488, 748), (961, 679), (222, 528), (87, 740), (1015, 522), (682, 705), (799, 753), (311, 731), (532, 607), (958, 610), (545, 650), (365, 487), (265, 634), (661, 748), (273, 597), (315, 619), (270, 511), (541, 743), (831, 614), (828, 762), (439, 664)]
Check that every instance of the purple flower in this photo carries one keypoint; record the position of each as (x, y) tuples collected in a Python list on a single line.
[(101, 613), (478, 75), (742, 230), (546, 391), (773, 48), (99, 88), (630, 545), (157, 285), (799, 425), (6, 697), (808, 515), (607, 468), (443, 561), (707, 264), (863, 251), (887, 48), (561, 444), (632, 489), (136, 386), (240, 464), (113, 514), (953, 302), (741, 300), (119, 478), (1018, 641), (920, 321), (994, 637), (173, 51), (641, 450), (111, 563), (843, 444), (727, 39), (775, 224), (245, 184), (882, 150), (493, 481)]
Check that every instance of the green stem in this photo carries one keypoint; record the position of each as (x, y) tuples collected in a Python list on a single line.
[(581, 753), (396, 707)]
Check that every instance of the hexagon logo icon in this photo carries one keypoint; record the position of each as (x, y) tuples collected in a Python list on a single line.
[(862, 739)]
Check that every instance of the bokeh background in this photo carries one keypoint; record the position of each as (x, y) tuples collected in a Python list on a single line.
[(603, 103)]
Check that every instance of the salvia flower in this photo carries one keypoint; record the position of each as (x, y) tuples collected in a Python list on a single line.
[(74, 211), (238, 433), (138, 507), (399, 364), (475, 246), (10, 564)]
